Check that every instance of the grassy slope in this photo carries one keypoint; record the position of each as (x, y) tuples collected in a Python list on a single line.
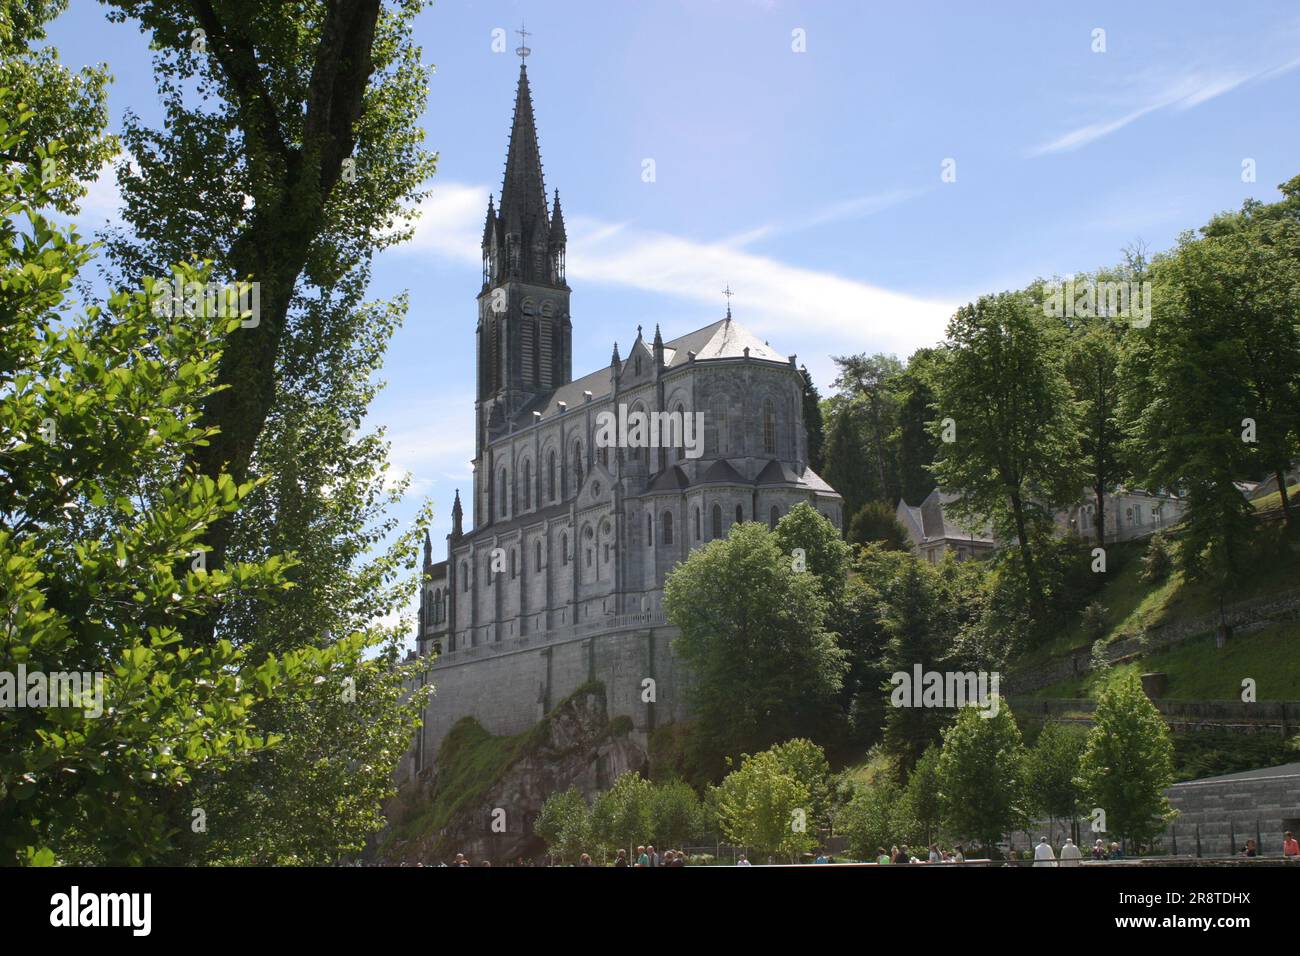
[(1196, 669), (471, 761)]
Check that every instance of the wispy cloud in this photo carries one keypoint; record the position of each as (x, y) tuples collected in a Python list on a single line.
[(1182, 92), (840, 313)]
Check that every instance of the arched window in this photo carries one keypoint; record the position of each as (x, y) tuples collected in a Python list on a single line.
[(717, 521), (501, 494), (636, 362), (435, 606), (649, 530), (769, 428), (537, 555), (740, 513), (697, 522), (667, 522), (528, 484), (577, 466), (776, 516), (464, 576), (588, 537), (564, 548), (514, 568), (550, 476)]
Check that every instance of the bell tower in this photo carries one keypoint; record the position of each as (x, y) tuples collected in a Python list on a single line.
[(524, 334)]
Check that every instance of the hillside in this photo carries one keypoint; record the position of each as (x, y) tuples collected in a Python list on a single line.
[(1196, 668)]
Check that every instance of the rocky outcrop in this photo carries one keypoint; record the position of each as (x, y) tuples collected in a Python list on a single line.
[(487, 790)]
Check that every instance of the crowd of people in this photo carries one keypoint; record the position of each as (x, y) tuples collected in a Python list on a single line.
[(1044, 855)]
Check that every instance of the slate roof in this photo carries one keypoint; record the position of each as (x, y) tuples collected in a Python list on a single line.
[(724, 339)]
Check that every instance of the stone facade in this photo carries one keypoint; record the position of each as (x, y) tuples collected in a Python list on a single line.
[(561, 579)]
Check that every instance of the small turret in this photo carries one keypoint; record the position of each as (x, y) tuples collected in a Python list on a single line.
[(456, 516)]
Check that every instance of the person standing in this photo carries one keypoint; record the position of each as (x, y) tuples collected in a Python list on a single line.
[(1070, 855), (1290, 848), (1043, 853)]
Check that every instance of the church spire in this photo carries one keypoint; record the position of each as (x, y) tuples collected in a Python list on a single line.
[(523, 192), (456, 517)]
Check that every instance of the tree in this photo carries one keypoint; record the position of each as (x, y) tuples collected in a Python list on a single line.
[(848, 466), (922, 795), (1050, 770), (1016, 450), (102, 531), (911, 617), (867, 381), (1093, 368), (812, 421), (765, 808), (981, 769), (674, 814), (1260, 246), (871, 818), (621, 815), (301, 123), (916, 446), (1187, 394), (67, 106), (764, 668), (876, 522), (806, 762), (826, 555), (1127, 762), (564, 822)]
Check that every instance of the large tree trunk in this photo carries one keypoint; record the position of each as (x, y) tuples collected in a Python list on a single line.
[(1027, 554)]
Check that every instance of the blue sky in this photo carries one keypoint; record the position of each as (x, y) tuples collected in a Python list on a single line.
[(809, 181)]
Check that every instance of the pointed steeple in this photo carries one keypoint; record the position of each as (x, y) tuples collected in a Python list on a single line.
[(658, 346), (456, 517), (489, 227), (557, 222), (428, 549), (523, 193), (616, 362)]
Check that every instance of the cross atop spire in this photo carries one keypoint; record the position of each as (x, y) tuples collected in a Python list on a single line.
[(728, 293), (522, 50)]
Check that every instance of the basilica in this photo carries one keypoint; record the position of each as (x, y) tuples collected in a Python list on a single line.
[(573, 534)]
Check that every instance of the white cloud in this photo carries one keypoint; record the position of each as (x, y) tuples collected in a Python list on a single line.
[(836, 313), (1182, 92)]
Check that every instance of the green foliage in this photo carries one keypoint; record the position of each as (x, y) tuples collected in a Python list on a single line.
[(825, 553), (763, 806), (1050, 770), (1214, 753), (922, 806), (875, 817), (1016, 453), (621, 816), (564, 822), (812, 421), (982, 774), (101, 526), (1158, 560), (1128, 762), (877, 522), (753, 634)]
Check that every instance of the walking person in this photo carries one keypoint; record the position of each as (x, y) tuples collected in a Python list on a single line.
[(1043, 853)]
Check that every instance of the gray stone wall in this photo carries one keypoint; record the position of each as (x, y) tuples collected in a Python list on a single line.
[(509, 686)]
